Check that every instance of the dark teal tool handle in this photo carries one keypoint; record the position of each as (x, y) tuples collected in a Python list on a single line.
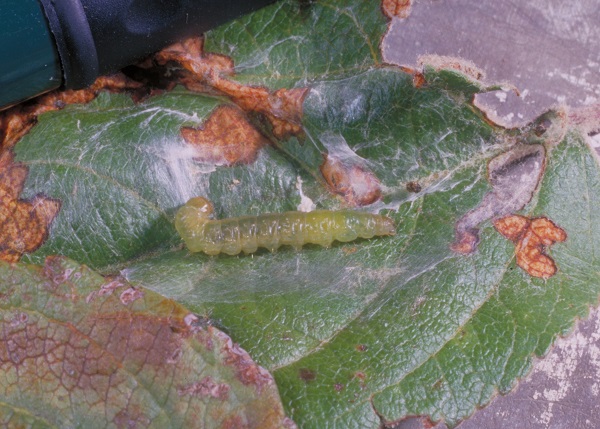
[(29, 63), (48, 44)]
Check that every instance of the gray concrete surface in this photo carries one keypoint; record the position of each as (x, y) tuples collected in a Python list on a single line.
[(549, 49)]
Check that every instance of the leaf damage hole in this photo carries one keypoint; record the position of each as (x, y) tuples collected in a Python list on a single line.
[(226, 138), (514, 176), (532, 238)]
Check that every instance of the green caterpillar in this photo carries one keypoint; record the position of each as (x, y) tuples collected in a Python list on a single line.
[(248, 233)]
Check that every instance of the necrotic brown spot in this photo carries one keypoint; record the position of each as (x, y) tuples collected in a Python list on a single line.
[(246, 370), (396, 8), (206, 72), (307, 375), (353, 181), (514, 177), (24, 224), (346, 173), (413, 187), (226, 138), (532, 238)]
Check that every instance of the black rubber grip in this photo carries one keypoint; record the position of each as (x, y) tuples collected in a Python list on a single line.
[(96, 37)]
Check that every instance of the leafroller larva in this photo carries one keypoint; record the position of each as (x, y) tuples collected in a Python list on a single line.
[(248, 233)]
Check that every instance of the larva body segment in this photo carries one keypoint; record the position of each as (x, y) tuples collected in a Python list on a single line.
[(271, 231)]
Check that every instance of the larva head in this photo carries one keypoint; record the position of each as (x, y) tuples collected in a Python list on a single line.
[(190, 218), (201, 206), (385, 226)]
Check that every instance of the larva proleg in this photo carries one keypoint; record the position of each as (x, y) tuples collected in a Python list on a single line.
[(271, 231)]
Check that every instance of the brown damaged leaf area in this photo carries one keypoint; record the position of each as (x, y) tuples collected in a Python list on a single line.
[(74, 353), (225, 138), (396, 8), (228, 138), (24, 224), (354, 182), (246, 370), (18, 120), (514, 177), (532, 238), (209, 73)]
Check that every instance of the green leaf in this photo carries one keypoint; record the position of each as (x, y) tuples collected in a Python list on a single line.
[(292, 43), (363, 332), (80, 351), (123, 170)]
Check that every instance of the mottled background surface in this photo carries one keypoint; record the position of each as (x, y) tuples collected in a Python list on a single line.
[(550, 50)]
